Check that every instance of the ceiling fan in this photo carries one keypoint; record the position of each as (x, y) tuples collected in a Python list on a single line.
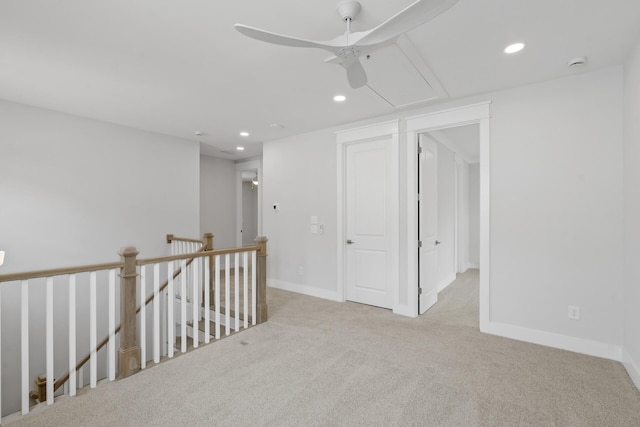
[(348, 48)]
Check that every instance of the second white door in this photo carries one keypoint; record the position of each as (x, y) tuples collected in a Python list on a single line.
[(428, 226)]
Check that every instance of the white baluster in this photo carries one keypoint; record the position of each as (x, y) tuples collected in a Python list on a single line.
[(49, 339), (156, 313), (236, 296), (93, 325), (253, 287), (194, 301), (227, 295), (207, 301), (0, 353), (187, 272), (200, 270), (111, 344), (81, 378), (24, 287), (245, 282), (163, 322), (143, 317), (183, 307), (171, 327), (72, 335), (216, 285)]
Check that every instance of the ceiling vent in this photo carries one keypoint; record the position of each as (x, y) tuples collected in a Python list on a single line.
[(577, 62), (397, 73)]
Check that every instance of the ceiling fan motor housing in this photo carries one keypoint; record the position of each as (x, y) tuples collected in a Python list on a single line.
[(348, 9)]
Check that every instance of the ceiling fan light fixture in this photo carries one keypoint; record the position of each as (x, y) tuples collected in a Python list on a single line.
[(514, 48), (347, 48)]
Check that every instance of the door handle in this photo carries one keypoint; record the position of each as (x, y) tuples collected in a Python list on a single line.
[(350, 242), (437, 242)]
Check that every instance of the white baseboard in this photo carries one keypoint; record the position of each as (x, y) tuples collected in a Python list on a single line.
[(550, 339), (632, 368), (446, 282), (474, 265), (305, 290), (405, 310), (430, 299)]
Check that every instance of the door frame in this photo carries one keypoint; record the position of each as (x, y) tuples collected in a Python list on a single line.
[(362, 134), (471, 114), (254, 166)]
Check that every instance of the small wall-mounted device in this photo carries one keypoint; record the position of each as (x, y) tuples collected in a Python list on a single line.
[(276, 207)]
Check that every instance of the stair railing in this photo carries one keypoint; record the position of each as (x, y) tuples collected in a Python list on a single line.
[(64, 378), (206, 269)]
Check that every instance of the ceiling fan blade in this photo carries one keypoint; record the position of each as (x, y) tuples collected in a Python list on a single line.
[(355, 73), (413, 15), (279, 39)]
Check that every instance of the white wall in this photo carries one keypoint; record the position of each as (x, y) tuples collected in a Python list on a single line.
[(556, 209), (474, 215), (218, 200), (299, 173), (631, 291), (463, 216), (73, 191)]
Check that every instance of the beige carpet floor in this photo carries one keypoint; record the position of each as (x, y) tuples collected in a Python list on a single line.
[(320, 363)]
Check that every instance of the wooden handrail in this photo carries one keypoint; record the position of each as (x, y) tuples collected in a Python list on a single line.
[(171, 238), (58, 271), (202, 253)]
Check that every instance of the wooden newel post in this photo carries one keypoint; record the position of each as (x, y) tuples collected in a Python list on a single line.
[(261, 278), (208, 241), (208, 245), (129, 353)]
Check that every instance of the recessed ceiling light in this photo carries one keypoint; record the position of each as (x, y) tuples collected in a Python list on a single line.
[(276, 126), (240, 148), (513, 48), (244, 133), (339, 98), (199, 133)]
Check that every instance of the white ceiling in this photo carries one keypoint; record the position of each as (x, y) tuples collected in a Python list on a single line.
[(179, 67)]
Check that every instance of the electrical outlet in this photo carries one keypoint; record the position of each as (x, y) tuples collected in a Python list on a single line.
[(574, 312)]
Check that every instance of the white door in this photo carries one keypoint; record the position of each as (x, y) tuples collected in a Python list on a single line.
[(368, 237), (428, 223)]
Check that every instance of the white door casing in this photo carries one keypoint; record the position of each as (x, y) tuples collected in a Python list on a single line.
[(368, 230), (428, 223), (457, 116), (251, 165)]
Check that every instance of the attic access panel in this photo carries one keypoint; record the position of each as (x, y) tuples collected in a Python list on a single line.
[(398, 75)]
